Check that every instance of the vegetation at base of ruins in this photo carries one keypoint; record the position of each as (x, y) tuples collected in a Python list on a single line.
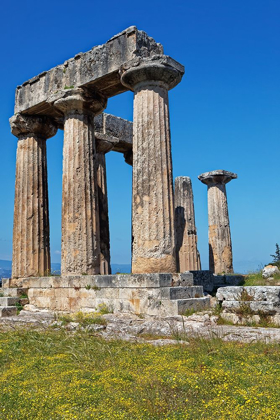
[(118, 272), (1, 294), (84, 319), (255, 279), (23, 296), (69, 87), (89, 287), (191, 311), (104, 309), (245, 296), (223, 321), (217, 310), (60, 375), (19, 307), (152, 337)]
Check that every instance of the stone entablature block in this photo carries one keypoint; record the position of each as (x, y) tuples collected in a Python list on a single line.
[(97, 68)]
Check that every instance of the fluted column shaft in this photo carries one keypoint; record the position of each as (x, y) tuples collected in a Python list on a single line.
[(152, 198), (80, 242), (31, 233), (187, 255), (153, 234), (220, 246), (105, 267)]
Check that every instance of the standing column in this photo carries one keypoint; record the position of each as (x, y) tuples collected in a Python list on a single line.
[(31, 234), (187, 255), (220, 248), (153, 235), (105, 267), (80, 243)]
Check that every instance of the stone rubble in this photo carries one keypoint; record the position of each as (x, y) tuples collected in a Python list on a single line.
[(269, 271), (152, 330)]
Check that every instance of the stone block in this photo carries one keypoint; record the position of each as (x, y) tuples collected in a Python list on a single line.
[(8, 301), (182, 292), (229, 293), (7, 311), (203, 278), (6, 283), (227, 280), (250, 307), (198, 304), (252, 293), (14, 292), (98, 68)]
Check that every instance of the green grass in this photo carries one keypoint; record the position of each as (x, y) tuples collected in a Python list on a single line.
[(255, 279), (83, 319), (58, 375)]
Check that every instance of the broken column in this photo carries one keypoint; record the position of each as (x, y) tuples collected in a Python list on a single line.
[(220, 247), (153, 234), (31, 233), (187, 255), (80, 243)]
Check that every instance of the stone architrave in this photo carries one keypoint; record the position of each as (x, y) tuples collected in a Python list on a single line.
[(220, 247), (31, 233), (105, 267), (80, 242), (187, 255), (153, 233)]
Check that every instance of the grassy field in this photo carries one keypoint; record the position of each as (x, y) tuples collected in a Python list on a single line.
[(59, 375)]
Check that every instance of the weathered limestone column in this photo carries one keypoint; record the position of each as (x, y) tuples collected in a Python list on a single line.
[(105, 267), (31, 234), (80, 243), (187, 255), (220, 248), (153, 234)]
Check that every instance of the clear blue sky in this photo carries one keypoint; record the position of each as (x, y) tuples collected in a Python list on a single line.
[(225, 114)]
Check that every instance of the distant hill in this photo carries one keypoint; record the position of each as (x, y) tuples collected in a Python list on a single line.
[(6, 268), (121, 268), (239, 267)]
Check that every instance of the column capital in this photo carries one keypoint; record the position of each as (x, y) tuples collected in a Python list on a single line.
[(80, 101), (219, 176), (159, 70), (26, 125)]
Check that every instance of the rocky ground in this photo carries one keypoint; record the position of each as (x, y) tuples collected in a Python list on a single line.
[(158, 331)]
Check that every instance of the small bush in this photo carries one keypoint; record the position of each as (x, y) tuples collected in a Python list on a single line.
[(103, 309)]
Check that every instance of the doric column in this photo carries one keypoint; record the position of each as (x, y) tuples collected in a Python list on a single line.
[(187, 255), (153, 236), (31, 234), (105, 267), (80, 243), (220, 248)]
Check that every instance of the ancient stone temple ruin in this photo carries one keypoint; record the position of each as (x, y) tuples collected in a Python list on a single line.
[(72, 97)]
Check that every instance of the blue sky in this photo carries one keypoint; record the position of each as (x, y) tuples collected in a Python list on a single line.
[(224, 113)]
